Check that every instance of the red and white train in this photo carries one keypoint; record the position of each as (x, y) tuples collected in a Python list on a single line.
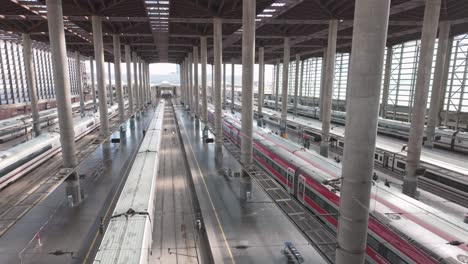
[(401, 229)]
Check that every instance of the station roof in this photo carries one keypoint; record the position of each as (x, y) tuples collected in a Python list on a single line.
[(166, 31)]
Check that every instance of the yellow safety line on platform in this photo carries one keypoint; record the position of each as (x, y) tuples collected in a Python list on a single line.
[(211, 201)]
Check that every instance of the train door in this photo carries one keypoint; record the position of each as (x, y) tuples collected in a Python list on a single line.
[(385, 160), (291, 180), (301, 188)]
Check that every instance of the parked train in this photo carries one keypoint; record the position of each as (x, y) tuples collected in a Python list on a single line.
[(456, 140), (22, 158), (447, 179), (128, 237), (22, 124), (401, 229)]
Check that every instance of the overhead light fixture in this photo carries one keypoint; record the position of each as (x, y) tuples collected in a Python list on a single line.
[(269, 10), (264, 15)]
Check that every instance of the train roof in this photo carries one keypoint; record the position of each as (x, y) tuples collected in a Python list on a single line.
[(130, 224)]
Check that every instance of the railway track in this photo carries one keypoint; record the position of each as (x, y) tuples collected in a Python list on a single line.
[(175, 234), (22, 195)]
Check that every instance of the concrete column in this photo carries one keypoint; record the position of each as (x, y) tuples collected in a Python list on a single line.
[(301, 87), (278, 62), (218, 59), (261, 84), (284, 91), (248, 61), (203, 54), (386, 85), (428, 37), (140, 83), (445, 81), (63, 93), (93, 89), (129, 78), (195, 81), (368, 47), (118, 77), (80, 85), (438, 85), (187, 90), (233, 67), (31, 81), (181, 77), (325, 111), (135, 76), (322, 82), (224, 86), (99, 56), (296, 82), (191, 88), (111, 100)]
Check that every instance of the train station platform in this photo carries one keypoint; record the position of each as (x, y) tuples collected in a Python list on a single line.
[(243, 224), (51, 231)]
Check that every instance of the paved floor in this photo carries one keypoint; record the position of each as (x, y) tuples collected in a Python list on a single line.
[(243, 224), (174, 235), (67, 234)]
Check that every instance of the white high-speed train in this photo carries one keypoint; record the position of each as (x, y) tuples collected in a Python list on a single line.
[(444, 137), (401, 229), (128, 237), (22, 158), (22, 124)]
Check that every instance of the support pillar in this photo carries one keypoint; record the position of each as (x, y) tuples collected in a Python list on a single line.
[(428, 37), (438, 85), (182, 84), (278, 62), (79, 80), (248, 61), (261, 84), (203, 54), (296, 82), (118, 77), (224, 86), (325, 111), (93, 88), (301, 87), (135, 76), (31, 81), (63, 94), (195, 81), (233, 94), (99, 55), (111, 100), (140, 83), (218, 58), (367, 55), (129, 78), (190, 79), (386, 85), (284, 91)]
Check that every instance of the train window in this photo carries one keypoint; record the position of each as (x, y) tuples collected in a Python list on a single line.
[(394, 258), (373, 243), (376, 156), (341, 144), (401, 165), (291, 127)]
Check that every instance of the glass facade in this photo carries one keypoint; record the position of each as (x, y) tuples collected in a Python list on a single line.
[(13, 85)]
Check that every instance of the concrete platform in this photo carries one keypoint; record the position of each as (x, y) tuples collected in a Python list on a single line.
[(242, 222), (70, 235)]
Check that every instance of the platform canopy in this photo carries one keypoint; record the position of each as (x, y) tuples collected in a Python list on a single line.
[(165, 31)]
